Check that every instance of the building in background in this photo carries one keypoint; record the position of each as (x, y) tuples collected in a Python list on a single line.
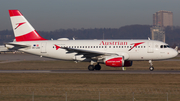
[(163, 18), (158, 33)]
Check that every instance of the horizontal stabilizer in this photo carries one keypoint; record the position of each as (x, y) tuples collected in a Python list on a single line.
[(3, 48)]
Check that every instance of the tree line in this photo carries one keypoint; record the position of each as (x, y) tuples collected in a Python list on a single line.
[(125, 32)]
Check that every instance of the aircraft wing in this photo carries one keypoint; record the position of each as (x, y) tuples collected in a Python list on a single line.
[(87, 53)]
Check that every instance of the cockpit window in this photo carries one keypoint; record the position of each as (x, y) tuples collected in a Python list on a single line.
[(164, 46)]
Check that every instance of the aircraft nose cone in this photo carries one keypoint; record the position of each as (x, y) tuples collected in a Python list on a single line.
[(174, 53)]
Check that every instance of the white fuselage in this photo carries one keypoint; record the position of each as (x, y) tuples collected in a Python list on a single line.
[(147, 50), (114, 53)]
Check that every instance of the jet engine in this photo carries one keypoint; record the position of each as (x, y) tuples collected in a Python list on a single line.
[(117, 61)]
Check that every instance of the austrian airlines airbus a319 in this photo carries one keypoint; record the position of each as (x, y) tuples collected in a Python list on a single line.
[(113, 53)]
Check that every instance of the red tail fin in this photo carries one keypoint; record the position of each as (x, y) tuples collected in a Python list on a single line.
[(23, 30)]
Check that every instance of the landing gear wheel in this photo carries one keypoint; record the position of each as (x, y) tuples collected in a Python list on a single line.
[(97, 67), (91, 67), (151, 68)]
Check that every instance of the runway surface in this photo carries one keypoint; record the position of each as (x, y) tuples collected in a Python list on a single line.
[(9, 57), (93, 72)]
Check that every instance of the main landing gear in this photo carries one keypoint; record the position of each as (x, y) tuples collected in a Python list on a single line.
[(151, 68), (91, 67), (96, 67)]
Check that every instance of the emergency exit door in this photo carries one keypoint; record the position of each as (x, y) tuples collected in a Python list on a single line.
[(43, 47)]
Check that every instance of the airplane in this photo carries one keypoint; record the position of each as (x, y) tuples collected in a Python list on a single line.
[(113, 53)]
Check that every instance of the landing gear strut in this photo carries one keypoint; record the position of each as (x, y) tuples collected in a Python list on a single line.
[(151, 68), (91, 67)]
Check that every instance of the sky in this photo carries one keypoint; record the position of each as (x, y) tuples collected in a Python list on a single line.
[(50, 15)]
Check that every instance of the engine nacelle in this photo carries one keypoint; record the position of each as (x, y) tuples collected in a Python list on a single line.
[(117, 61)]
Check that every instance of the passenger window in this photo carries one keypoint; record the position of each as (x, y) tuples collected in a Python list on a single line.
[(99, 46), (105, 46), (164, 46), (113, 46), (127, 46), (96, 46), (109, 46), (161, 46), (77, 46), (116, 46), (119, 46)]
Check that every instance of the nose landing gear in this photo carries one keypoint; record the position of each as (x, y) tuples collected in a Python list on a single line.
[(151, 68)]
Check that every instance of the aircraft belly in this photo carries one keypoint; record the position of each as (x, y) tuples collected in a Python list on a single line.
[(61, 54), (142, 56)]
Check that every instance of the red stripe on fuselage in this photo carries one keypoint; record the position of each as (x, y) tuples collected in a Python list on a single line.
[(32, 36), (14, 13)]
